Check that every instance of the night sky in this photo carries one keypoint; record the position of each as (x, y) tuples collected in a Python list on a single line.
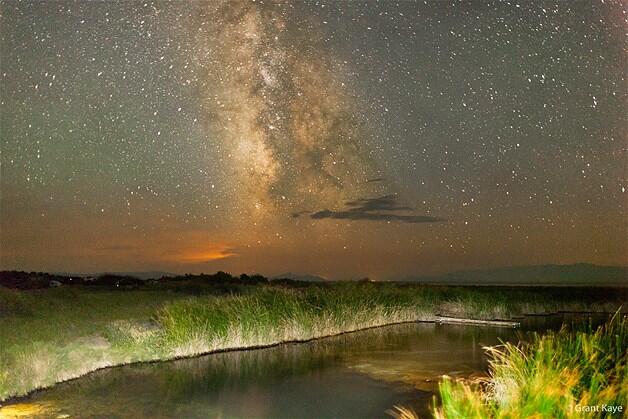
[(342, 139)]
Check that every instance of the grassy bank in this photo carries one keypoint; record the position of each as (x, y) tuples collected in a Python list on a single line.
[(567, 374), (51, 335)]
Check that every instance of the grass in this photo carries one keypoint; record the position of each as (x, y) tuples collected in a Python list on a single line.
[(270, 316), (563, 374), (51, 335)]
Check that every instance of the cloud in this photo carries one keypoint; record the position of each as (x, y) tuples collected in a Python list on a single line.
[(350, 215), (384, 203), (204, 254), (385, 208)]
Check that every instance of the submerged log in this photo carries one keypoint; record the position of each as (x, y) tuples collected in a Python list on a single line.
[(457, 320)]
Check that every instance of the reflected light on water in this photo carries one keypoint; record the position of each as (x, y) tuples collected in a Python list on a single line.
[(29, 410), (359, 375)]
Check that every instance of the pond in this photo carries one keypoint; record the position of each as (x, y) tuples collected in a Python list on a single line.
[(355, 375)]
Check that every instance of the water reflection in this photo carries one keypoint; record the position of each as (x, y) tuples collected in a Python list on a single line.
[(353, 375)]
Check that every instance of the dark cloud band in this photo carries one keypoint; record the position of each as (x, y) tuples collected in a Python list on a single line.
[(383, 208)]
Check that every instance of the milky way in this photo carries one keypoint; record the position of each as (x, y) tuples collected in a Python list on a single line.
[(344, 139), (279, 112)]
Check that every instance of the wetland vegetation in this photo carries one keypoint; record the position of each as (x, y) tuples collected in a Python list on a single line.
[(55, 334), (566, 374)]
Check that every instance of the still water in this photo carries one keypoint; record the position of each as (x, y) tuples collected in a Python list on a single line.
[(356, 375)]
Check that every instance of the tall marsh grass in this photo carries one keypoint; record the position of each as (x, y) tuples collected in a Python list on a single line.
[(278, 315), (564, 374), (48, 336), (54, 335)]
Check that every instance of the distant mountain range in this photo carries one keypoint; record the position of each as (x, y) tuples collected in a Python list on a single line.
[(582, 274)]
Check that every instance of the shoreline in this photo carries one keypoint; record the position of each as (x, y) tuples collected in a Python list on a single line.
[(17, 399), (63, 334), (456, 321)]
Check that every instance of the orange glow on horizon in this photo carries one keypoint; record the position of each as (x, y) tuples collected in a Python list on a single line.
[(214, 252)]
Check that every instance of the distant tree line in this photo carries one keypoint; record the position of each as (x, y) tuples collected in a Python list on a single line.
[(38, 280)]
